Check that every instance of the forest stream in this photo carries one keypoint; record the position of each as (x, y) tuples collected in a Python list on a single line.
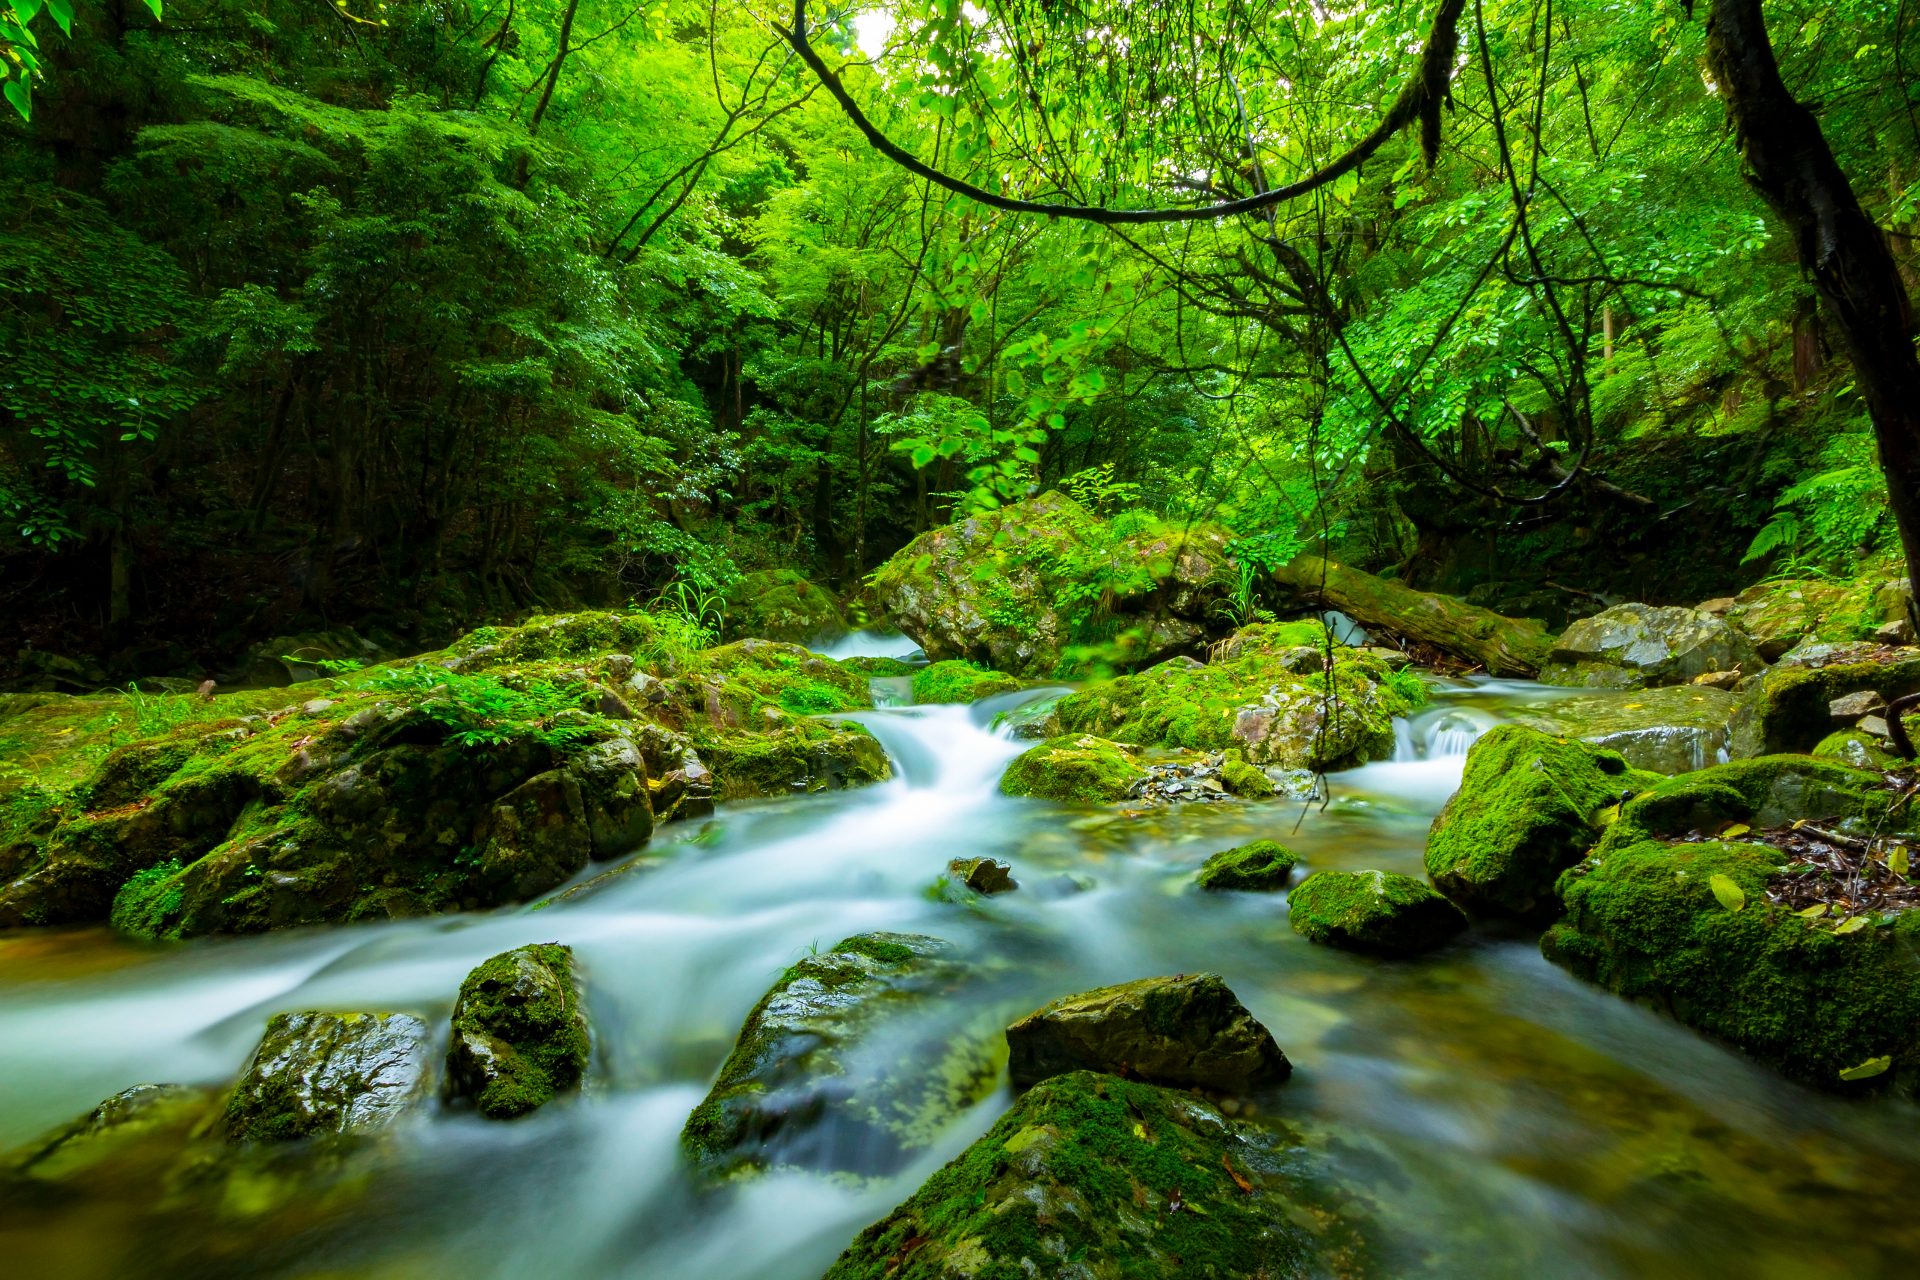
[(1518, 1122)]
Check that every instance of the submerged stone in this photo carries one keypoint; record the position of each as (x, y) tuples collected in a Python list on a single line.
[(130, 1117), (853, 1061), (983, 875), (1092, 1176), (326, 1074), (1631, 646), (1182, 1031), (519, 1035), (1375, 911), (1260, 866), (1529, 806)]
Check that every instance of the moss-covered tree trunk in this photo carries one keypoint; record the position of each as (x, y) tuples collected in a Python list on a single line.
[(1504, 646)]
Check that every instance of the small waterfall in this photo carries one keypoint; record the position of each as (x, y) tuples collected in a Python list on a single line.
[(871, 644), (1439, 733), (942, 748)]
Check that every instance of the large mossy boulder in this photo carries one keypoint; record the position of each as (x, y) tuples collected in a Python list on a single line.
[(519, 1035), (782, 604), (1633, 646), (1259, 866), (1381, 912), (955, 680), (1683, 923), (482, 775), (1780, 614), (863, 1033), (1012, 588), (1789, 708), (1673, 729), (316, 1075), (1529, 806), (1074, 769), (1504, 646), (1189, 1031), (1269, 693), (1089, 1175)]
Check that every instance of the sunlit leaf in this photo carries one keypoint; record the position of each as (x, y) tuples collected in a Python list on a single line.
[(1869, 1069), (1730, 895)]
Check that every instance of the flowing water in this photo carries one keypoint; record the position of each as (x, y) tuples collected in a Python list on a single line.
[(1509, 1120)]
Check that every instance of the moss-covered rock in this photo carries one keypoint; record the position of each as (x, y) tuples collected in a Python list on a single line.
[(1673, 729), (958, 681), (860, 1032), (1090, 1175), (781, 604), (519, 1036), (1632, 646), (1185, 1031), (131, 1117), (1260, 866), (1074, 769), (1860, 749), (326, 1074), (1779, 614), (1787, 708), (1276, 702), (1242, 779), (985, 876), (1529, 806), (1763, 792), (1011, 589), (1643, 920), (1381, 912), (485, 774)]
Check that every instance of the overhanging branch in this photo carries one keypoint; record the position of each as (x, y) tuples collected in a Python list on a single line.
[(1419, 100)]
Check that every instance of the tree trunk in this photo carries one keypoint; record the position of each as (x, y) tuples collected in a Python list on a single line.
[(1791, 166)]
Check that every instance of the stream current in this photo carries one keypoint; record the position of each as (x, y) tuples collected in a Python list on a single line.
[(1510, 1120)]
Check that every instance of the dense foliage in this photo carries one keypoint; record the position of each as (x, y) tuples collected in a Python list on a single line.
[(416, 314)]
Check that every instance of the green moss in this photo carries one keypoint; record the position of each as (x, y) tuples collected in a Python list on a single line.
[(1075, 769), (1643, 920), (1857, 748), (1261, 866), (1764, 792), (956, 681), (519, 1036), (1529, 806), (874, 668), (781, 604), (758, 673), (1374, 911), (1279, 704), (1243, 779), (147, 904), (1121, 1180), (799, 757), (1786, 709)]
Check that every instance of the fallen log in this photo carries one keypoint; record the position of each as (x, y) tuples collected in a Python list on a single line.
[(1504, 646)]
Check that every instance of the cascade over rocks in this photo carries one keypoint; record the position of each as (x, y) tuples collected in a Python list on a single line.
[(1660, 912), (1631, 646), (519, 1036), (327, 1074), (992, 588), (1504, 646), (1181, 1031), (1529, 806), (1373, 911), (1091, 1175), (861, 1032)]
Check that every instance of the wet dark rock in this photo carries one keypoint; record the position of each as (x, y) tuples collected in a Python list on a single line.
[(1182, 1031), (519, 1036), (129, 1117), (1089, 1176), (326, 1074), (1632, 646), (1373, 911), (983, 875), (862, 1036), (1260, 866)]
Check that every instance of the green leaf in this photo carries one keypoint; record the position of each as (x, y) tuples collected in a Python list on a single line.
[(1899, 860), (154, 5), (1813, 912), (1854, 925), (1729, 894), (923, 455), (20, 96), (26, 9), (62, 11), (1869, 1069)]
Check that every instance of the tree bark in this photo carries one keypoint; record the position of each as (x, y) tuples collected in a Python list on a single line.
[(1793, 169)]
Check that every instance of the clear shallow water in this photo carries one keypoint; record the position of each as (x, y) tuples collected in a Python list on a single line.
[(1511, 1121)]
